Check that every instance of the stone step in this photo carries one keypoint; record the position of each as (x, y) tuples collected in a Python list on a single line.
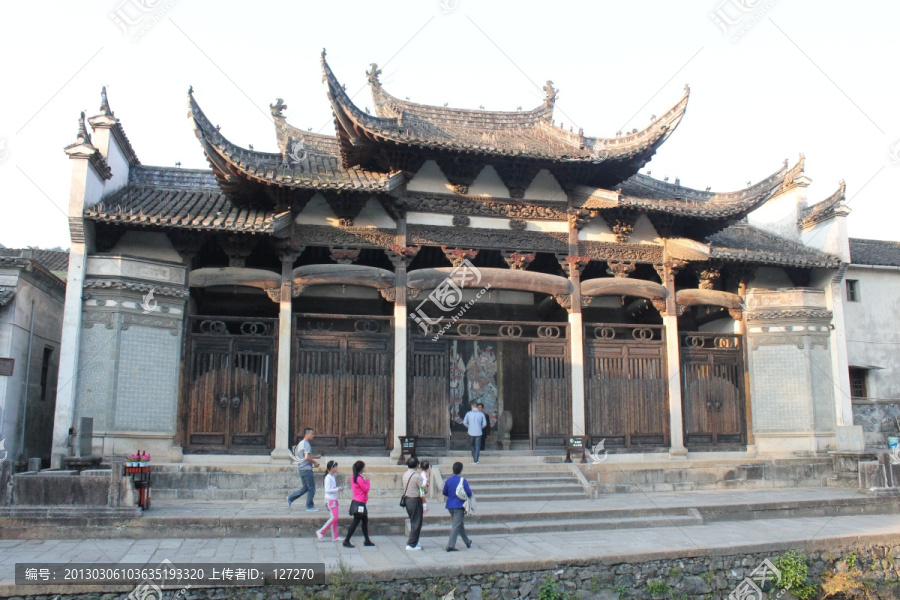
[(522, 491), (534, 496), (542, 479), (475, 528)]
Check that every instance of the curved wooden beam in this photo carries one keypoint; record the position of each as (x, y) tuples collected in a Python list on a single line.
[(692, 297), (499, 279), (361, 275), (257, 278), (623, 286)]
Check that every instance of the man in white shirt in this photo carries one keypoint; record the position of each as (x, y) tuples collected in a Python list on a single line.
[(475, 422)]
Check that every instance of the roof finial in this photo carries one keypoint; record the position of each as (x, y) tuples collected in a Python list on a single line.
[(82, 137), (373, 74), (278, 108), (190, 90), (323, 52), (551, 92), (104, 103)]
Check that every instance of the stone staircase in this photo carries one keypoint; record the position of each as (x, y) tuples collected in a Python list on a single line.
[(517, 482), (555, 519)]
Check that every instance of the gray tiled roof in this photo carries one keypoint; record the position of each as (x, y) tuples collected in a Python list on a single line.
[(744, 243), (7, 293), (53, 260), (525, 134), (197, 207), (874, 252)]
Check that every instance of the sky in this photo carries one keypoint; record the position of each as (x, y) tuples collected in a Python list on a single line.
[(770, 79)]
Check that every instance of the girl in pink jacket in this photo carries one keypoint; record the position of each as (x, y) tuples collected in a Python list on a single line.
[(360, 484)]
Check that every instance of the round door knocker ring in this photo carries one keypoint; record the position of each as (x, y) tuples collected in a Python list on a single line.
[(604, 333), (213, 327), (695, 341), (510, 331), (366, 326), (468, 329), (548, 331), (254, 328), (642, 335)]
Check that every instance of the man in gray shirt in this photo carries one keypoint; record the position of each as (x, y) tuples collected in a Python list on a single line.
[(475, 422), (305, 463)]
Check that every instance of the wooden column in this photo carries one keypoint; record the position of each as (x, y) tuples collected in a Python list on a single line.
[(740, 328), (576, 327), (288, 251), (673, 356), (401, 338)]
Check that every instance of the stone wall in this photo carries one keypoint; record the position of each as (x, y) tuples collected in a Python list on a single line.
[(791, 375), (130, 354), (845, 572)]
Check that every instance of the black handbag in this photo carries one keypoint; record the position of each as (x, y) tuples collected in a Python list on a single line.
[(403, 497)]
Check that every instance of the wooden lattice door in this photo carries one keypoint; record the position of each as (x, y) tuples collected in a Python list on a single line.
[(712, 367)]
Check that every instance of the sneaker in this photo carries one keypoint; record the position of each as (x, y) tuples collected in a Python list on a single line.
[(347, 544), (368, 543), (320, 536), (452, 550), (475, 463), (338, 539), (312, 509), (469, 544), (416, 547)]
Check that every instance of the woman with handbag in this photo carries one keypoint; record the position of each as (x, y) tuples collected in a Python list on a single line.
[(360, 485), (412, 501)]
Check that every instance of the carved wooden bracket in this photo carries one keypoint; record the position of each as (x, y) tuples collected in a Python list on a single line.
[(238, 248), (344, 256), (456, 256), (346, 207), (620, 268), (578, 263), (623, 226), (708, 275), (186, 243), (461, 221), (517, 224), (668, 269), (579, 217), (402, 255), (518, 261), (288, 248), (389, 293), (565, 301)]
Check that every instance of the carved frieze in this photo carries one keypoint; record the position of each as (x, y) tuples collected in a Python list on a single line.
[(129, 319), (363, 237), (605, 251), (472, 237), (482, 207), (91, 318), (136, 286)]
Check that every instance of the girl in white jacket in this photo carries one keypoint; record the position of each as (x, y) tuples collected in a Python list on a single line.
[(331, 499)]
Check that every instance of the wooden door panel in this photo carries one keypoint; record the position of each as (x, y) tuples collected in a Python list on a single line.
[(712, 389), (208, 381), (551, 407), (428, 392)]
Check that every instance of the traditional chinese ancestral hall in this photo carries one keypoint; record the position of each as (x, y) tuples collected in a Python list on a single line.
[(371, 283)]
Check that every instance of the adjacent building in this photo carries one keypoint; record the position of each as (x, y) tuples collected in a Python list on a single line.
[(32, 292)]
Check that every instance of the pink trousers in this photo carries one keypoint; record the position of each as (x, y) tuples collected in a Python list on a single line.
[(333, 520)]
